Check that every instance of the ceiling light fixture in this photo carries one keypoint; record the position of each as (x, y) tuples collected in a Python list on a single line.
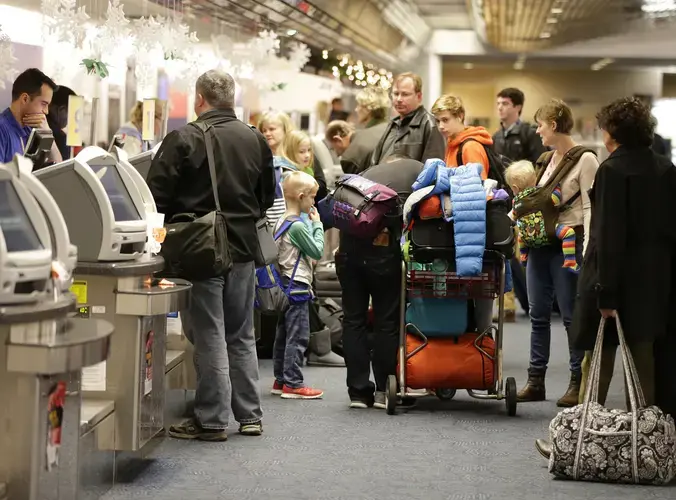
[(599, 65), (469, 66), (545, 34), (291, 32), (556, 11), (552, 20), (664, 7)]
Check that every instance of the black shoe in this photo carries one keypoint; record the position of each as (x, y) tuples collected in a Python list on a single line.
[(361, 403), (544, 448), (190, 429), (252, 429)]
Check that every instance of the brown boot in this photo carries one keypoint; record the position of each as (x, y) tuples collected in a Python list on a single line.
[(572, 395), (534, 390)]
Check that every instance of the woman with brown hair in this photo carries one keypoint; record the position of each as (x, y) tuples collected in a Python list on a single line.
[(545, 275)]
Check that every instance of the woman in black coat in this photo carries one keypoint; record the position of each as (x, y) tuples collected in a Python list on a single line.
[(627, 268)]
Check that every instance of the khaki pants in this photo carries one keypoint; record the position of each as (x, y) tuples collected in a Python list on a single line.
[(642, 352)]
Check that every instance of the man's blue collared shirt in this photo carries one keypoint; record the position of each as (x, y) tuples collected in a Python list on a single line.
[(13, 137)]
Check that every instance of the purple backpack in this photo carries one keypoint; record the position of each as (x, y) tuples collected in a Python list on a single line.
[(358, 206)]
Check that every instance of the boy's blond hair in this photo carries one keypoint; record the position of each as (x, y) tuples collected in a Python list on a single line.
[(450, 103), (522, 174), (296, 183)]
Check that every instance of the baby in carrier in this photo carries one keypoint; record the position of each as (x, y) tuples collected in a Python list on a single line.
[(522, 178)]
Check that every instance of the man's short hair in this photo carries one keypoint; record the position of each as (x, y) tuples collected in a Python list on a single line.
[(30, 82), (417, 81), (514, 95), (338, 128), (218, 89)]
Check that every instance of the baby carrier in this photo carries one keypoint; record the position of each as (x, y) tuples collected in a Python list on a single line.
[(535, 211)]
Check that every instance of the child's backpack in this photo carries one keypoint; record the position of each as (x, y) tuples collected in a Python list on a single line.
[(272, 296), (535, 211), (358, 206), (497, 164)]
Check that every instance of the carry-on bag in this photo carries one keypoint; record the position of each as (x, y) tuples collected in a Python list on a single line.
[(358, 206), (593, 443), (197, 248), (464, 362)]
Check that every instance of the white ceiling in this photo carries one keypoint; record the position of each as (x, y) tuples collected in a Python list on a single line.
[(444, 14)]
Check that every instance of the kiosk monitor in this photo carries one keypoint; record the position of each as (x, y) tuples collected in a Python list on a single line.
[(102, 209), (26, 246)]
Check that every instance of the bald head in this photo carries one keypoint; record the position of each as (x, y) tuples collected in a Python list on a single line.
[(215, 89)]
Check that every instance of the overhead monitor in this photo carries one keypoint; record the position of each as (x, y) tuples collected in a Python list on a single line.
[(26, 246), (101, 206)]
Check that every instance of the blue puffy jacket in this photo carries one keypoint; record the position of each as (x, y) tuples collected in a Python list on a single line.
[(469, 218)]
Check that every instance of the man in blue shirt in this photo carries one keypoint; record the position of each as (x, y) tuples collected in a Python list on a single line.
[(31, 95)]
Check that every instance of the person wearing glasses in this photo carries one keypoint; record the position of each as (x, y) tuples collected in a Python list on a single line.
[(414, 132)]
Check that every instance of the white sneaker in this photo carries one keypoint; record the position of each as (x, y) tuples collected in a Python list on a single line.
[(379, 401)]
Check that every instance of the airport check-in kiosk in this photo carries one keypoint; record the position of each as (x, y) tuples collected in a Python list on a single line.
[(179, 367), (114, 281), (42, 347)]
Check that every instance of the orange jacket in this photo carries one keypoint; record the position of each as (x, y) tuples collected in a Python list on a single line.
[(473, 151)]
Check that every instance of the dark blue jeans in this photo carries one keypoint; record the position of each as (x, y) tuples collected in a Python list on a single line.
[(546, 277), (291, 341)]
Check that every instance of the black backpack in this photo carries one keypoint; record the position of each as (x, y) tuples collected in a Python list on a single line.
[(497, 164)]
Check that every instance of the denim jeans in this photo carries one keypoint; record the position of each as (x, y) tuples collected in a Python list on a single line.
[(219, 323), (376, 276), (546, 277), (291, 341)]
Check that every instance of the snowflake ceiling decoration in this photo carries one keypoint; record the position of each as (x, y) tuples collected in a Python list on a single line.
[(222, 45), (299, 55), (176, 38), (65, 21), (148, 34), (113, 32), (8, 70)]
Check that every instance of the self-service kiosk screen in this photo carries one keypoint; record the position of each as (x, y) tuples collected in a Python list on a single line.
[(17, 228), (123, 206)]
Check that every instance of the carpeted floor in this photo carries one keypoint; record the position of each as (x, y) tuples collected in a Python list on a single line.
[(459, 450)]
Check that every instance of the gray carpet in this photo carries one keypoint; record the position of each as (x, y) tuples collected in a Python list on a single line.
[(460, 450)]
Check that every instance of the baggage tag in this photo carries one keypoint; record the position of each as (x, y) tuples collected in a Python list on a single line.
[(383, 239)]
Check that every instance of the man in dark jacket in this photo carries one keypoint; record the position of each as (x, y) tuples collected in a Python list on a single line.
[(516, 140), (219, 322), (371, 270), (414, 133)]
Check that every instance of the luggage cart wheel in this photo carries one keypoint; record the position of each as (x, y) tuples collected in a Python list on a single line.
[(510, 396), (391, 395), (445, 394)]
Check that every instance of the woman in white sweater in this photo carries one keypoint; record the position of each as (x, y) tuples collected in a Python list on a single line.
[(545, 275)]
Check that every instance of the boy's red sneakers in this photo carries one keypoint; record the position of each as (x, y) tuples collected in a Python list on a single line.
[(301, 393), (277, 389)]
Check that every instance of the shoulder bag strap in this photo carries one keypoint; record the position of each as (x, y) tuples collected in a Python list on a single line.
[(542, 163), (458, 157), (210, 160)]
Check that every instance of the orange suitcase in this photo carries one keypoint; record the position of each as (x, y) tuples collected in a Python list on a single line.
[(450, 363)]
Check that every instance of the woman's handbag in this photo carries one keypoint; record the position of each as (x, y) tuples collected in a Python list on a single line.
[(197, 248), (592, 443)]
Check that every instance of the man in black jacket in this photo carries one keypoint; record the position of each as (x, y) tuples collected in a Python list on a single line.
[(516, 140), (219, 322), (414, 133)]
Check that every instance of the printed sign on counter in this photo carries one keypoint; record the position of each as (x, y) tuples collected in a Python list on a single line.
[(75, 124), (79, 289), (148, 119), (148, 368)]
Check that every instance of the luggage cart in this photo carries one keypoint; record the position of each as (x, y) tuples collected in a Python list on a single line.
[(489, 284)]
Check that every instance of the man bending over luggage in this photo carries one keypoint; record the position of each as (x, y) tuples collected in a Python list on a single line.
[(371, 270)]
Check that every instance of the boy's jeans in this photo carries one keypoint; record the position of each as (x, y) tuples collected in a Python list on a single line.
[(291, 341), (219, 323)]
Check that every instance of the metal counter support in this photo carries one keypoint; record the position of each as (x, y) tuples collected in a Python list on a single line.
[(135, 372), (41, 358)]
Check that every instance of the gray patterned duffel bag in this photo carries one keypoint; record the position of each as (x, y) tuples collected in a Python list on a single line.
[(592, 443)]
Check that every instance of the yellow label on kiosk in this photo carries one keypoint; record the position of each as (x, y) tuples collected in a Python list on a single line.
[(79, 289), (148, 119), (75, 120)]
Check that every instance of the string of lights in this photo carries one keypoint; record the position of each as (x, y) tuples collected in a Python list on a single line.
[(345, 68)]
